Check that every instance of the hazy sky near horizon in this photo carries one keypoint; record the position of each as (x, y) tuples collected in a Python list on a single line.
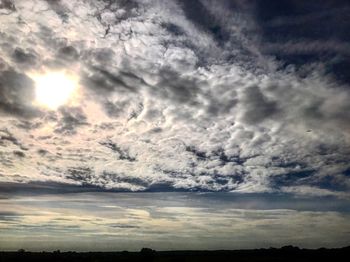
[(106, 104), (106, 221)]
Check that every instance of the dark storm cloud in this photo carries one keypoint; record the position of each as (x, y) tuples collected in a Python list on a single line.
[(17, 94)]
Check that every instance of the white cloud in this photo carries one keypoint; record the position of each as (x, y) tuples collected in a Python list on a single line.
[(174, 107)]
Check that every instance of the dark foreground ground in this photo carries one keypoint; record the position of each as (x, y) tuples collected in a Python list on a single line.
[(283, 254)]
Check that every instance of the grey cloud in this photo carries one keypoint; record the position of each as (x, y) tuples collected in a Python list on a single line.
[(68, 53), (197, 13), (103, 80), (136, 112), (28, 125), (257, 107), (129, 107), (123, 226), (99, 57), (172, 86), (26, 57), (200, 155), (113, 181), (19, 154), (80, 174), (9, 216), (122, 178), (8, 136), (173, 29), (203, 17), (119, 10), (9, 5), (219, 107), (10, 188), (17, 94), (122, 153), (71, 119), (59, 9), (42, 152)]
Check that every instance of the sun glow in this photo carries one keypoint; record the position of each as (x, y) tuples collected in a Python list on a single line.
[(54, 89)]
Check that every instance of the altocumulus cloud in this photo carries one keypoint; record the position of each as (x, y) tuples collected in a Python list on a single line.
[(177, 95)]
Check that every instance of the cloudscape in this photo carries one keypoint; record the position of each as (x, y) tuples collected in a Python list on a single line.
[(182, 124)]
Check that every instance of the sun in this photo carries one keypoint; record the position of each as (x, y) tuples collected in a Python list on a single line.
[(54, 89)]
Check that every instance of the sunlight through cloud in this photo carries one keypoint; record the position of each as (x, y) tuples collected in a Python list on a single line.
[(54, 89)]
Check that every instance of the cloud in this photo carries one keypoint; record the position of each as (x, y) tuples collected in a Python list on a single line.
[(167, 220), (17, 94), (320, 40), (71, 118), (123, 154), (314, 191), (7, 5), (179, 95), (257, 106), (25, 57)]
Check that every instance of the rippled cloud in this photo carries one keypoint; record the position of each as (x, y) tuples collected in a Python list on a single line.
[(176, 96)]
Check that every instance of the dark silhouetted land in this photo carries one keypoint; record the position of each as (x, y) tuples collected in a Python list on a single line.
[(288, 253)]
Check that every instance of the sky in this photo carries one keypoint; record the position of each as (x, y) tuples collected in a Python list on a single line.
[(174, 124)]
